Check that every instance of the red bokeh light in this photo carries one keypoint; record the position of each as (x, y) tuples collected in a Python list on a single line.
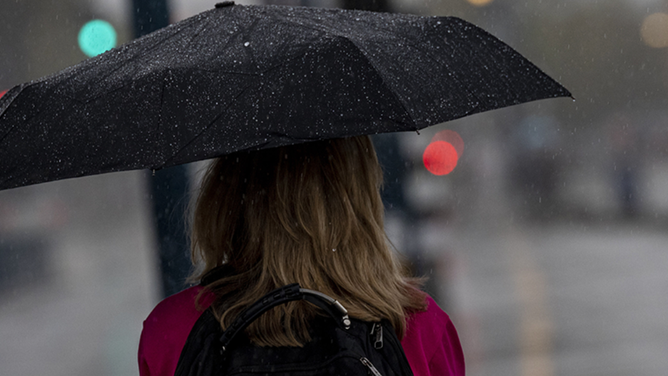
[(440, 157), (3, 93)]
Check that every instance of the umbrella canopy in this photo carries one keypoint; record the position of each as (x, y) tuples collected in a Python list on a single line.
[(251, 77)]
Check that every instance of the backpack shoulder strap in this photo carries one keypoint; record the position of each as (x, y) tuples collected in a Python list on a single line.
[(206, 333), (280, 296), (206, 345), (203, 338)]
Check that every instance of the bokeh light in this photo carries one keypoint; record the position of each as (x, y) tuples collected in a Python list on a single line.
[(654, 30), (96, 37), (2, 93), (479, 3), (440, 158)]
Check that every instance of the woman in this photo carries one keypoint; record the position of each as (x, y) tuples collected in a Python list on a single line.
[(308, 213)]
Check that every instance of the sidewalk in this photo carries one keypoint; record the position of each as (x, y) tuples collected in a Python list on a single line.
[(563, 300)]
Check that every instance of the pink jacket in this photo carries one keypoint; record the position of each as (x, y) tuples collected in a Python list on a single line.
[(431, 343)]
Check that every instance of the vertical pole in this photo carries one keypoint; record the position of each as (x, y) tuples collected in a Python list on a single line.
[(149, 16), (168, 187), (396, 170)]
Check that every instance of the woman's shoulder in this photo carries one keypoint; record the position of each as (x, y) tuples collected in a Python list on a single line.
[(178, 307), (430, 324), (430, 316), (431, 342), (166, 330)]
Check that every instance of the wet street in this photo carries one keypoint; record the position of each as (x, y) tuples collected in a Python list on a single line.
[(566, 299)]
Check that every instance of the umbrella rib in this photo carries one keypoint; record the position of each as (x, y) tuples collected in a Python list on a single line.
[(333, 32), (9, 131), (159, 123), (384, 81), (249, 51), (26, 119), (208, 125), (318, 27), (362, 52), (137, 57), (284, 62)]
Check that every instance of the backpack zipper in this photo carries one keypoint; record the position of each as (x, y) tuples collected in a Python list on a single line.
[(370, 366), (377, 329), (395, 345)]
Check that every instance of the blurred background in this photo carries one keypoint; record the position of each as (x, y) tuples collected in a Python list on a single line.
[(546, 244)]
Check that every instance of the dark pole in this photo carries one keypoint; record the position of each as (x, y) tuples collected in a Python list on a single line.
[(168, 187), (396, 169), (395, 165)]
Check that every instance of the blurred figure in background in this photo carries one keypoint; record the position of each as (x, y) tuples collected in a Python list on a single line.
[(624, 158), (537, 166)]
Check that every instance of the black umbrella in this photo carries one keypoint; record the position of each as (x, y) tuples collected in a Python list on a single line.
[(251, 77)]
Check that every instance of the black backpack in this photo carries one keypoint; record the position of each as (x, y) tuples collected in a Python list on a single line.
[(340, 345)]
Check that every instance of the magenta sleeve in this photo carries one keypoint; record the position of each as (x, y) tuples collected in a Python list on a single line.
[(432, 345), (166, 330)]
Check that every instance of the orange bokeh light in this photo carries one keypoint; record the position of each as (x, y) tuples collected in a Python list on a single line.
[(654, 30), (440, 157), (479, 3)]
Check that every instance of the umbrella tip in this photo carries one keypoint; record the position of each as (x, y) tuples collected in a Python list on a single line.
[(224, 4)]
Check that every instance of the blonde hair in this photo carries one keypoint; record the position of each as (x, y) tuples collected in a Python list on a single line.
[(308, 213)]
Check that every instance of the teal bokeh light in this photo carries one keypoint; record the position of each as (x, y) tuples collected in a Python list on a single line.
[(96, 37)]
